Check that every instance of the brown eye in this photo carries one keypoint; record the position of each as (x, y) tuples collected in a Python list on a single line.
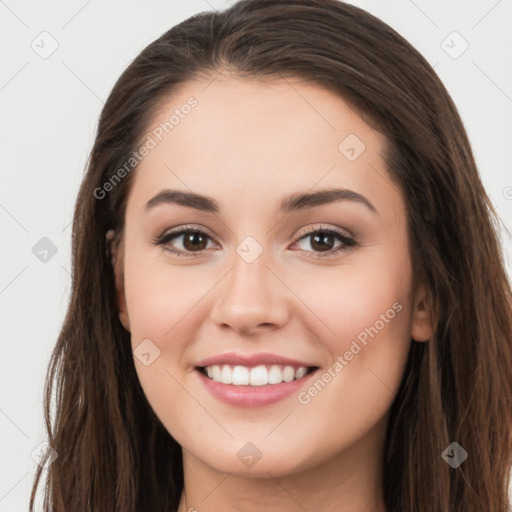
[(323, 241), (193, 241)]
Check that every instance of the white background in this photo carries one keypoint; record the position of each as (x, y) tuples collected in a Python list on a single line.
[(49, 111)]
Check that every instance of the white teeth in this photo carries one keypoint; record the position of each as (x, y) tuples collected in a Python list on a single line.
[(288, 374), (225, 376), (216, 373), (240, 376), (257, 376), (275, 375)]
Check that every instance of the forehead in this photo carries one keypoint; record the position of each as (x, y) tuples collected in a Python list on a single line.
[(259, 140)]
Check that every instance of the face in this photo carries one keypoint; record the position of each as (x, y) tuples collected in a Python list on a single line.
[(255, 284)]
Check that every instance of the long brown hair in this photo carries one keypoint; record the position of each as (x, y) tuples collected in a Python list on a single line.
[(113, 452)]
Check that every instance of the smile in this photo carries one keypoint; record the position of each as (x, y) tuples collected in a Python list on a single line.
[(253, 380)]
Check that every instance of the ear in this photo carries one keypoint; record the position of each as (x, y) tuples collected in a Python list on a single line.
[(116, 249), (422, 316)]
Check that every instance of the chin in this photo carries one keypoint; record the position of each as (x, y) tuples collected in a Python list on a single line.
[(255, 458)]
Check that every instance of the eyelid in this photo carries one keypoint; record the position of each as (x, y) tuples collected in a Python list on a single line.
[(323, 227), (178, 230)]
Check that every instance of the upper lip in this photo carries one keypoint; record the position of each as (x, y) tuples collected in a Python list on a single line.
[(234, 359)]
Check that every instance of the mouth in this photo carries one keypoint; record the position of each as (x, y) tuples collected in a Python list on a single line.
[(253, 381), (255, 376)]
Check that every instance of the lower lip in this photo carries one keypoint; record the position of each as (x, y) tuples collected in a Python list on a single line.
[(253, 396)]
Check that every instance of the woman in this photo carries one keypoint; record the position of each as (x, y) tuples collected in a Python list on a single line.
[(288, 290)]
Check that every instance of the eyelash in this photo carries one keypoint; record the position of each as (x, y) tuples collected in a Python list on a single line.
[(348, 242)]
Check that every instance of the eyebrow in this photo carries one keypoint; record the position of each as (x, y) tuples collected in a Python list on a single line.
[(293, 202)]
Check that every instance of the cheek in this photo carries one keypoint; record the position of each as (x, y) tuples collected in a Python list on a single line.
[(359, 303), (369, 314), (158, 297), (162, 304), (365, 326)]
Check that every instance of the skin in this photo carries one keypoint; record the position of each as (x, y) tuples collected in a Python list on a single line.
[(248, 144)]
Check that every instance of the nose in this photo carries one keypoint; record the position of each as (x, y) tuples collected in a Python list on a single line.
[(251, 299)]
